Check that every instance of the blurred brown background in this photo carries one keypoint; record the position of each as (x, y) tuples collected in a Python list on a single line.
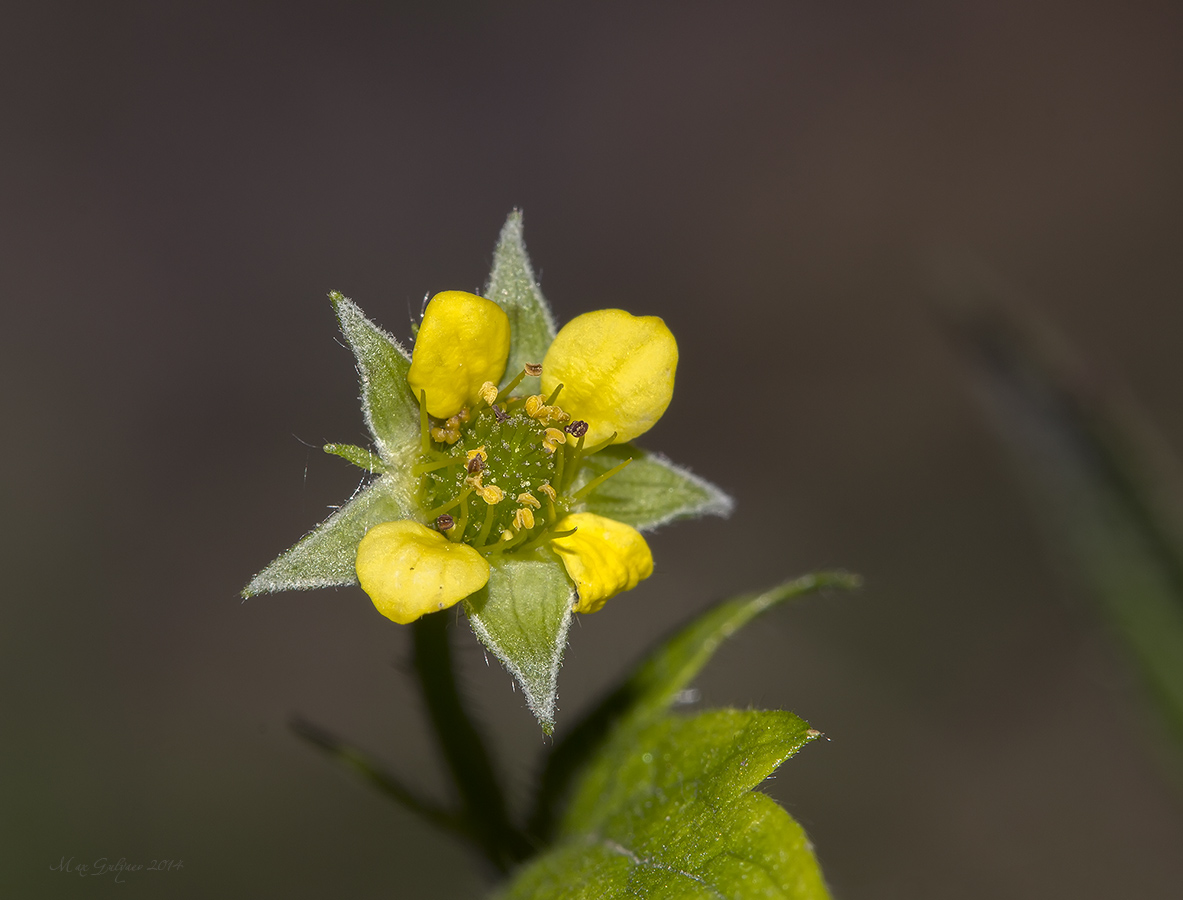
[(181, 186)]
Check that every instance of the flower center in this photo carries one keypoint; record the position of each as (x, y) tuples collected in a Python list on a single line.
[(493, 477), (499, 478)]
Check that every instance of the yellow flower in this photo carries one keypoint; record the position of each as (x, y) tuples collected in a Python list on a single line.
[(462, 343), (603, 558), (409, 570), (617, 372), (609, 374), (503, 474)]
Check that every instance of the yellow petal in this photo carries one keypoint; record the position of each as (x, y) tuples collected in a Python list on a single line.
[(409, 570), (617, 372), (462, 343), (603, 558)]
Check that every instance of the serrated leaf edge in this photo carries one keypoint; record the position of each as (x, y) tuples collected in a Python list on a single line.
[(543, 711), (347, 308)]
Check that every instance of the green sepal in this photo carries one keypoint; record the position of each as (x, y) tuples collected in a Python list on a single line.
[(512, 286), (522, 616), (668, 812), (391, 412), (653, 686), (650, 491), (359, 456), (326, 556)]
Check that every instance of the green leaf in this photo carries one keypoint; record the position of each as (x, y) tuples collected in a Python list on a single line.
[(382, 365), (650, 491), (667, 812), (512, 285), (1107, 494), (522, 615), (655, 683), (326, 556), (359, 456)]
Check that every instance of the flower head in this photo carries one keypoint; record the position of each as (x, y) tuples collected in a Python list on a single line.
[(505, 476)]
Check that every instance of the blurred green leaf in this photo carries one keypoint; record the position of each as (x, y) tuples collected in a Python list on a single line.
[(667, 812), (326, 556), (656, 682), (522, 615), (650, 491), (512, 285), (391, 412), (1101, 485)]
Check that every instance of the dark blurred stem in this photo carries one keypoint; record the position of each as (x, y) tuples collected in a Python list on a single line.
[(384, 781), (462, 746)]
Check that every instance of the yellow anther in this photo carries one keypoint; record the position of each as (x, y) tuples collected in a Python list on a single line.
[(488, 392), (491, 494), (548, 490), (474, 481), (506, 534), (552, 414), (473, 454), (528, 499), (534, 405), (552, 438), (444, 435), (523, 519)]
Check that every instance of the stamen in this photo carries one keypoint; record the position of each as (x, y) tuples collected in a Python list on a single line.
[(508, 389), (597, 481), (488, 392), (458, 534), (490, 515), (424, 468), (575, 463), (455, 501), (523, 518), (544, 538), (554, 395), (476, 464), (445, 435), (551, 496), (602, 444), (534, 405), (445, 522), (474, 481), (560, 461), (499, 413), (553, 438), (509, 542), (578, 428), (528, 499), (534, 369), (479, 451), (490, 493)]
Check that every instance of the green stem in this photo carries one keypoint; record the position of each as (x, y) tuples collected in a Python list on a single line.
[(463, 748)]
